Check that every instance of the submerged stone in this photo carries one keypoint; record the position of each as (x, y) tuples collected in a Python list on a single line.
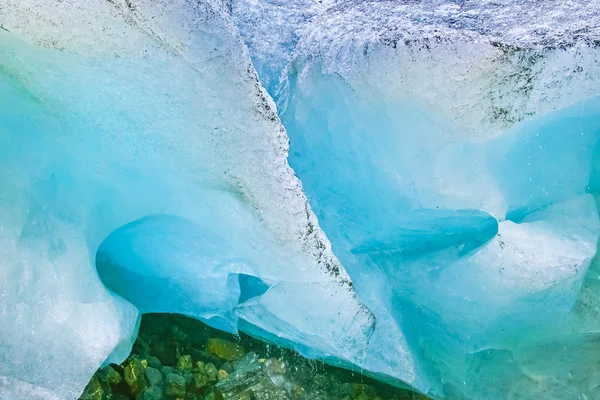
[(93, 390), (175, 385), (224, 349), (134, 374), (184, 363), (211, 371), (154, 377), (110, 375)]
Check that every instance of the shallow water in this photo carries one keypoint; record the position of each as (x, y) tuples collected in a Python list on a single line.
[(176, 357)]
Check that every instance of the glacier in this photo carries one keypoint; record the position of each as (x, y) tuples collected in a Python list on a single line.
[(448, 150)]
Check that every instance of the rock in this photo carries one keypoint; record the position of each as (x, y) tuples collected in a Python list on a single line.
[(251, 383), (141, 347), (110, 375), (200, 367), (248, 362), (224, 349), (151, 393), (211, 371), (154, 362), (199, 382), (166, 370), (297, 391), (222, 374), (134, 376), (175, 385), (275, 366), (93, 390), (185, 363), (154, 377)]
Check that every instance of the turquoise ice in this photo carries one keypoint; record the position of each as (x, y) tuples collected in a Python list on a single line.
[(449, 152), (120, 143)]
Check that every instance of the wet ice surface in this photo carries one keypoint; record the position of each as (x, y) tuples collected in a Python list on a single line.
[(144, 124), (448, 150)]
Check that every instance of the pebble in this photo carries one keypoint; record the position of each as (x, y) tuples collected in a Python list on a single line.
[(110, 375), (153, 376), (93, 390), (185, 363), (211, 371), (154, 362), (225, 349), (134, 375), (222, 374), (175, 385)]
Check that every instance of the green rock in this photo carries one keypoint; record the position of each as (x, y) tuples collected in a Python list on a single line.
[(154, 377), (200, 367), (110, 375), (224, 349), (211, 371), (185, 363), (199, 382), (154, 362), (134, 376), (93, 391), (175, 385), (222, 374), (151, 393)]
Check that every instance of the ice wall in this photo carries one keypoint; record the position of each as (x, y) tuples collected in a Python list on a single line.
[(449, 151), (130, 126)]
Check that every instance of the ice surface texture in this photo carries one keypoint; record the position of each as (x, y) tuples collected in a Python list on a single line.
[(136, 133), (449, 151)]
